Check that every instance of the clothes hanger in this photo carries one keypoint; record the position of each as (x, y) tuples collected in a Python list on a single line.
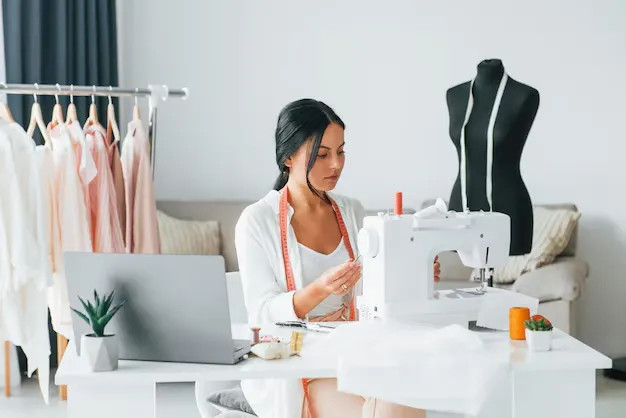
[(93, 111), (36, 120), (111, 122), (57, 111), (72, 115), (136, 115), (5, 112)]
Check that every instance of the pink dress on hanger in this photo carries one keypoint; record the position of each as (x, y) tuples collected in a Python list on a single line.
[(107, 231), (118, 177), (84, 162), (73, 224), (142, 232)]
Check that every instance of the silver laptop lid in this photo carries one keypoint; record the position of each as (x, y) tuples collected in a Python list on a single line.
[(176, 305)]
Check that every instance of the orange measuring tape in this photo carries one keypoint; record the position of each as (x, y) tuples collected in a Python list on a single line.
[(291, 284)]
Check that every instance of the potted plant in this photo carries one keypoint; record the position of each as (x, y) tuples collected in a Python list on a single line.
[(99, 350), (538, 333)]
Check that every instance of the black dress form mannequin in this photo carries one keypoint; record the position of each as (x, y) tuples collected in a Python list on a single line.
[(513, 120)]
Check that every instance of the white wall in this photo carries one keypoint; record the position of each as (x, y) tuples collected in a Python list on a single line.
[(385, 67)]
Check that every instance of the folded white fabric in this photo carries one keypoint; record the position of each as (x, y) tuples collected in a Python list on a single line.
[(446, 369), (438, 210)]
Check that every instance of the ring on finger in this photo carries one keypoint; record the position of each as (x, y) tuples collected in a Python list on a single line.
[(344, 287)]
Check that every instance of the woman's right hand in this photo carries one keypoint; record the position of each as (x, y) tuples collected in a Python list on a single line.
[(340, 279)]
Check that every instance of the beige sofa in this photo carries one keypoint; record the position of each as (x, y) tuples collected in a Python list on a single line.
[(557, 285)]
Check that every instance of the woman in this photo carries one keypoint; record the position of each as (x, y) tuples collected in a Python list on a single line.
[(296, 249)]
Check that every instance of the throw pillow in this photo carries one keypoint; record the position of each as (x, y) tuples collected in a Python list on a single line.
[(179, 236), (232, 398), (552, 230)]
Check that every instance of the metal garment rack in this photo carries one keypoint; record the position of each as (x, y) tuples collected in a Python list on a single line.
[(153, 92)]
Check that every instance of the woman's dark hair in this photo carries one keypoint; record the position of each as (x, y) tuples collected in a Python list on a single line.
[(298, 122)]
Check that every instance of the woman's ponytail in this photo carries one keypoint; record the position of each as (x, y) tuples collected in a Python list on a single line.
[(281, 180)]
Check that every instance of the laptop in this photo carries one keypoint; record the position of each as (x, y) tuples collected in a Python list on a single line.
[(176, 305)]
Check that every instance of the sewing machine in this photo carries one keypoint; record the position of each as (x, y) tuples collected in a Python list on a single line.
[(398, 252)]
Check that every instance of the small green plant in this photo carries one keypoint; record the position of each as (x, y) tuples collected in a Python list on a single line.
[(538, 324), (98, 314)]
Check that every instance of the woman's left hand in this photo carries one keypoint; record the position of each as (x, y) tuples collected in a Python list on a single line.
[(437, 269)]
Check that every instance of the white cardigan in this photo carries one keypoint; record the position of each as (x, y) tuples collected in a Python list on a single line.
[(259, 254)]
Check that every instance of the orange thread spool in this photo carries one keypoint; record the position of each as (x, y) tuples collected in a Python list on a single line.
[(398, 205), (517, 316)]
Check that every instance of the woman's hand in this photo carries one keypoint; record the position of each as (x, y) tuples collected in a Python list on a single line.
[(337, 280), (437, 269), (340, 279)]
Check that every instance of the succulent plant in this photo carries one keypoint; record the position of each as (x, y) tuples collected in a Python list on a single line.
[(538, 323), (98, 314)]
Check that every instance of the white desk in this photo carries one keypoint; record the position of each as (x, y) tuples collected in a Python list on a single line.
[(553, 384)]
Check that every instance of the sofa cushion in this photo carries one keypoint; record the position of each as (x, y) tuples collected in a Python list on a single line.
[(561, 279), (231, 399), (180, 236), (552, 229)]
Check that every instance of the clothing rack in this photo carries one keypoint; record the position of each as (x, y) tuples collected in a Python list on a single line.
[(153, 92)]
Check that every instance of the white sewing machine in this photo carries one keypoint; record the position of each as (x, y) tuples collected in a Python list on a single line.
[(398, 253)]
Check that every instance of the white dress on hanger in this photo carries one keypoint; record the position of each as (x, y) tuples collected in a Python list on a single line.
[(24, 258)]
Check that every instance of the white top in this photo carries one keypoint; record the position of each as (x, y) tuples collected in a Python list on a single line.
[(314, 264), (259, 253), (24, 257)]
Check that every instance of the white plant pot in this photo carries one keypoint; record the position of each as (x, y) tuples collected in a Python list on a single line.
[(99, 353), (539, 340)]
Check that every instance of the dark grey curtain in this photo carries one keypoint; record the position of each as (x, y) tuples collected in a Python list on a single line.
[(59, 41)]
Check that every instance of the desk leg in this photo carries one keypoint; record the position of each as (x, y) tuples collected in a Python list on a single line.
[(176, 400), (547, 394), (540, 394), (106, 401)]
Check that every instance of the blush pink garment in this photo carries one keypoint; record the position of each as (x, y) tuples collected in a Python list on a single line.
[(73, 225), (118, 177), (142, 233), (85, 165), (107, 231)]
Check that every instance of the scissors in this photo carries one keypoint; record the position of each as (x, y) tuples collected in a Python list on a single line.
[(305, 325)]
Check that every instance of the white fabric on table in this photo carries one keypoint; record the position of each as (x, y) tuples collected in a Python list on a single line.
[(446, 369)]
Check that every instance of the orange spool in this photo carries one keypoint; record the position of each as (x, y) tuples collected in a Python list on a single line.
[(398, 206), (517, 316)]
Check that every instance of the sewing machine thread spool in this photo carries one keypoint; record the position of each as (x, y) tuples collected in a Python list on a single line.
[(398, 206), (255, 335)]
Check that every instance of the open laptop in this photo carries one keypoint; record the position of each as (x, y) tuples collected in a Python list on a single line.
[(176, 305)]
